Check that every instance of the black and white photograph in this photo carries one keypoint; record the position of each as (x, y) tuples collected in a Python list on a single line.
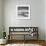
[(22, 11)]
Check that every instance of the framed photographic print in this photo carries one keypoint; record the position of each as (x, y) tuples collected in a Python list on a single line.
[(22, 11)]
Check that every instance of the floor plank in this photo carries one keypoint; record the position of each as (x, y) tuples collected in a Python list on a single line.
[(27, 43)]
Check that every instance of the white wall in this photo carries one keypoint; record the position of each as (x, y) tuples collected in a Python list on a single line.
[(37, 15), (45, 19), (0, 18), (0, 13)]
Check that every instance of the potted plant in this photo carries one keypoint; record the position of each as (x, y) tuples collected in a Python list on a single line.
[(2, 37)]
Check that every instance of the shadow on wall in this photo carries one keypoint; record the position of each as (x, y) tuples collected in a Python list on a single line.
[(1, 34)]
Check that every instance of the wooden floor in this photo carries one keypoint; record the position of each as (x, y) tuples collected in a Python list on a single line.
[(40, 42)]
